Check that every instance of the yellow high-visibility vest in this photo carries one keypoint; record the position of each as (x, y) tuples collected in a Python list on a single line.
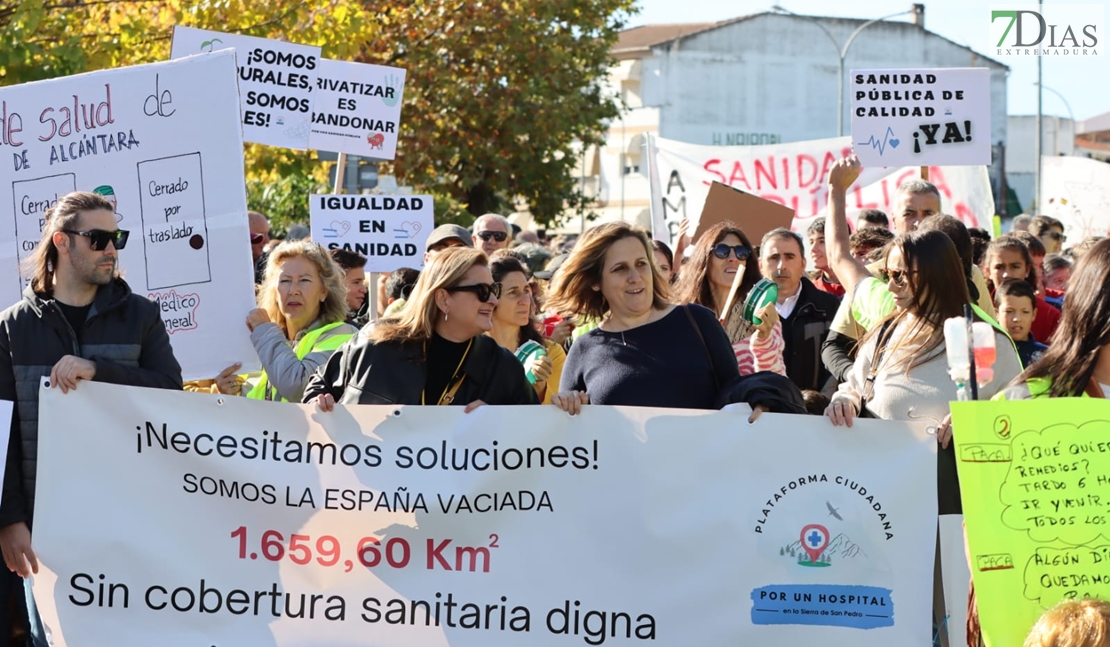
[(263, 390)]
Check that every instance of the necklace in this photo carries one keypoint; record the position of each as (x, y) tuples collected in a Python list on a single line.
[(622, 339), (448, 394)]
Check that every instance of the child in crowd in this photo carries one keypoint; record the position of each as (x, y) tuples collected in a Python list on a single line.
[(1073, 623), (1017, 308)]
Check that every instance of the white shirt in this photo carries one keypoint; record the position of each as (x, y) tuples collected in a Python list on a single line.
[(786, 308)]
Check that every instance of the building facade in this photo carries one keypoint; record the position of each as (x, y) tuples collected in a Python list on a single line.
[(760, 79)]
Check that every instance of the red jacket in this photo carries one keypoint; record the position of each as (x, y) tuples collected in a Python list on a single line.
[(821, 284), (1048, 317)]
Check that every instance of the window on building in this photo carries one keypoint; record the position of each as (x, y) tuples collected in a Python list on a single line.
[(630, 93)]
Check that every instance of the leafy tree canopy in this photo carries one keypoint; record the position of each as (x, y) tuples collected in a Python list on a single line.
[(499, 94)]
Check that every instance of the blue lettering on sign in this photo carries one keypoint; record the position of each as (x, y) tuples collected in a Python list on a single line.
[(830, 605)]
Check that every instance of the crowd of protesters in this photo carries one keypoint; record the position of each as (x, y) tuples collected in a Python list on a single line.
[(502, 316)]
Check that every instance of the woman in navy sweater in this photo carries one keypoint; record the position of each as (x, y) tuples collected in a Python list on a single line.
[(647, 351)]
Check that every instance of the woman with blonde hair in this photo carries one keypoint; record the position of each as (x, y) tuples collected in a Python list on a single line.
[(1073, 623), (300, 321), (647, 351), (433, 351)]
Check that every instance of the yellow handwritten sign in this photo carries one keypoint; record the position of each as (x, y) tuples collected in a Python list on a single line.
[(1035, 482)]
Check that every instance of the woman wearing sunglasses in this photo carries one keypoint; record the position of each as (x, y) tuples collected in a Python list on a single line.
[(901, 371), (299, 323), (647, 351), (433, 351), (720, 253), (514, 328)]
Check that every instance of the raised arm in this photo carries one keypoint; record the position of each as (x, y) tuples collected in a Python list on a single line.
[(849, 270)]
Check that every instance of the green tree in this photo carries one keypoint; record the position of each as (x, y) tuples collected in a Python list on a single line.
[(499, 94)]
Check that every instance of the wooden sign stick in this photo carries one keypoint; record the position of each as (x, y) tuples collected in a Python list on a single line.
[(733, 289)]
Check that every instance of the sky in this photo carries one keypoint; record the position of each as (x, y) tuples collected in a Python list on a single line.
[(1082, 82)]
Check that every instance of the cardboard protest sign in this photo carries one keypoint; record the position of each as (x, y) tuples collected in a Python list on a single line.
[(162, 143), (1034, 485), (389, 230), (357, 109), (754, 215), (426, 526), (1074, 190), (923, 117), (794, 175), (275, 81)]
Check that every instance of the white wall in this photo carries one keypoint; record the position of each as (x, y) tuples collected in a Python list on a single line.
[(770, 78), (777, 75), (1057, 138)]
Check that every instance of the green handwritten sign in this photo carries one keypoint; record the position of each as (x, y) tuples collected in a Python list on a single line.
[(1035, 482)]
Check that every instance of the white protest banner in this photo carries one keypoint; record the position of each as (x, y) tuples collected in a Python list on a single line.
[(1076, 191), (795, 175), (275, 80), (163, 144), (237, 522), (357, 109), (6, 407), (389, 230), (938, 116)]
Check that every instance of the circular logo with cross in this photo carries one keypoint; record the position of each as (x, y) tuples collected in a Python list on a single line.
[(815, 539)]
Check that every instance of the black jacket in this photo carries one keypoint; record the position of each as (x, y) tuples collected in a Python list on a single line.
[(123, 334), (804, 331), (364, 372)]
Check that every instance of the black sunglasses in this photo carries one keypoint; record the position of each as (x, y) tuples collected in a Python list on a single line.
[(99, 238), (721, 251), (1056, 235), (499, 236), (898, 276), (481, 290)]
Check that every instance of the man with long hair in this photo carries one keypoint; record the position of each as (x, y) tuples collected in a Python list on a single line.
[(77, 321)]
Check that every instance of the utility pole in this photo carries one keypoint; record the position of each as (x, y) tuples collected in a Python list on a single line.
[(1038, 144)]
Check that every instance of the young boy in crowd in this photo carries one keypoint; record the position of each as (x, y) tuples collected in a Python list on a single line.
[(1017, 308)]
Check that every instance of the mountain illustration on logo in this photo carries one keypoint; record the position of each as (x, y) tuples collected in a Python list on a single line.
[(841, 547)]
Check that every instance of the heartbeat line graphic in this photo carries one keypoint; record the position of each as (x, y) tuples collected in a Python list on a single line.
[(888, 140)]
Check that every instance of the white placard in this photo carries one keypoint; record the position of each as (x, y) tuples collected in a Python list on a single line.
[(357, 109), (624, 525), (955, 576), (163, 142), (389, 230), (795, 175), (1076, 191), (938, 116), (6, 408), (276, 79)]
